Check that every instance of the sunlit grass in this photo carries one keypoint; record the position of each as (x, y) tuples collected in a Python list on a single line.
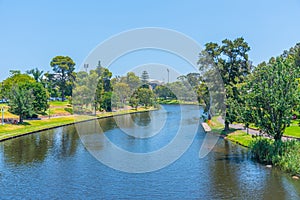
[(10, 130), (233, 135)]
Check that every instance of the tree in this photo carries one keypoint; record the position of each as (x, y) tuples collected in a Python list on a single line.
[(104, 89), (145, 96), (164, 92), (64, 68), (21, 101), (231, 60), (37, 74), (145, 79), (122, 91), (272, 95), (134, 100), (41, 96), (15, 78), (133, 81)]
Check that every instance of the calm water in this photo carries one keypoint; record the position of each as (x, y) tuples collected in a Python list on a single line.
[(55, 165)]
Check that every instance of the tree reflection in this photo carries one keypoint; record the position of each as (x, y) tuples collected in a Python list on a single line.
[(28, 149), (141, 119)]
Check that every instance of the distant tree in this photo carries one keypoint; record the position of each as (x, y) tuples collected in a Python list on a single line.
[(104, 89), (146, 96), (122, 90), (21, 101), (64, 68), (134, 100), (133, 81), (164, 92), (145, 79), (37, 74)]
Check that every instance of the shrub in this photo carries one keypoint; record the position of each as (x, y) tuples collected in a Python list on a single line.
[(285, 155)]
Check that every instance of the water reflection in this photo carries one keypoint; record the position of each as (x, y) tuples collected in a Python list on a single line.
[(35, 147), (142, 119), (54, 164), (25, 150)]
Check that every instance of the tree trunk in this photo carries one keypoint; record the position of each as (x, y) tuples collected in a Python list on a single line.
[(226, 128), (20, 119), (277, 137), (62, 95)]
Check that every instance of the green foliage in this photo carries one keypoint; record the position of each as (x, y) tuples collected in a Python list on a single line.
[(145, 78), (134, 100), (231, 60), (285, 155), (164, 92), (272, 96), (146, 97), (122, 91), (64, 67), (21, 101), (15, 78), (133, 81), (41, 96), (106, 101), (37, 74)]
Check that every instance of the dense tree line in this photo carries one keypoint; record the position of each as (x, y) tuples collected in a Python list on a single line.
[(266, 95)]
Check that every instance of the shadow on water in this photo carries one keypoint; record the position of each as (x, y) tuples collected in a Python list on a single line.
[(35, 147)]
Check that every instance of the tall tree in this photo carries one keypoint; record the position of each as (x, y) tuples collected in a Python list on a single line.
[(64, 68), (145, 79), (272, 95), (231, 60), (104, 89)]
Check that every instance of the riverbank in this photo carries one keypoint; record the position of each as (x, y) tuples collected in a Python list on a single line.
[(284, 155), (9, 131), (234, 135), (176, 102)]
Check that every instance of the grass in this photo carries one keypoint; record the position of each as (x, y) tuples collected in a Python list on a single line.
[(9, 130), (175, 101), (59, 103), (294, 129), (240, 137), (237, 136)]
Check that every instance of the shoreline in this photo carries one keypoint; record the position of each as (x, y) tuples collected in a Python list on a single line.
[(88, 118), (241, 138)]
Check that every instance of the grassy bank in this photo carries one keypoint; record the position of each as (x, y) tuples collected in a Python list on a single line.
[(284, 155), (174, 101), (236, 136), (8, 131)]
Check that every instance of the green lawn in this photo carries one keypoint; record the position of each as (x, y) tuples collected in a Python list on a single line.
[(293, 131), (59, 103), (233, 135), (10, 130)]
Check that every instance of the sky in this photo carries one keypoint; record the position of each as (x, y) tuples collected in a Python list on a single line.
[(33, 32)]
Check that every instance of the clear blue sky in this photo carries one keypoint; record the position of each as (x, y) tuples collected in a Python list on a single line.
[(33, 32)]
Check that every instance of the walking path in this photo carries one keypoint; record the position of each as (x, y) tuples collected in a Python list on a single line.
[(254, 131)]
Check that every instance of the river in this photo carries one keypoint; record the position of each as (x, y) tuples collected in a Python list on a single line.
[(55, 164)]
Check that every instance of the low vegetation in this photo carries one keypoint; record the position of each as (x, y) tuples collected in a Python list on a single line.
[(284, 155)]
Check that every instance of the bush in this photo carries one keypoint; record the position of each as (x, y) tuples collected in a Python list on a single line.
[(69, 110), (285, 155)]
